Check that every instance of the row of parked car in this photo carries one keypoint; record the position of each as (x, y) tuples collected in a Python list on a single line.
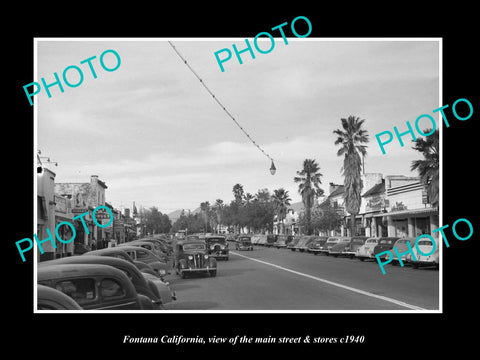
[(360, 247), (128, 276)]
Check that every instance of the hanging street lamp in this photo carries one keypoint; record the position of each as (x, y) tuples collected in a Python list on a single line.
[(273, 170)]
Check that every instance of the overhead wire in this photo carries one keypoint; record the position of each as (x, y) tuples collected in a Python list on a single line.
[(219, 103)]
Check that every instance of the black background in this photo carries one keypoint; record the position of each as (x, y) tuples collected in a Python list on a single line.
[(386, 334)]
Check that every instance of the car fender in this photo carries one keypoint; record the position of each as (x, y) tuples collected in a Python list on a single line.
[(212, 262)]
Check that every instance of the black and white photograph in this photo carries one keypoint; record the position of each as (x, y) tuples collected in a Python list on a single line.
[(241, 182), (277, 156)]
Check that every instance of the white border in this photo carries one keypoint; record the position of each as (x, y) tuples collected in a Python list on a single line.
[(387, 39)]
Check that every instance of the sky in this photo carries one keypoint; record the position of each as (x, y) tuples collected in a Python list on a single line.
[(156, 137)]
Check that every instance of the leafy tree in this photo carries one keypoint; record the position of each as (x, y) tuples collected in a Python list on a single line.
[(309, 188), (351, 140), (428, 168), (155, 221)]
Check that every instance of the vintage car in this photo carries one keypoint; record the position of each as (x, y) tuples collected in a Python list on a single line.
[(294, 242), (355, 243), (79, 248), (430, 256), (384, 244), (144, 255), (159, 292), (402, 247), (191, 256), (152, 246), (316, 244), (331, 241), (303, 243), (271, 239), (366, 250), (121, 254), (244, 242), (262, 239), (163, 244), (52, 299), (94, 286), (282, 241), (217, 246), (338, 248)]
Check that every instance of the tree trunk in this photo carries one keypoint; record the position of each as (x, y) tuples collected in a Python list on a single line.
[(352, 224)]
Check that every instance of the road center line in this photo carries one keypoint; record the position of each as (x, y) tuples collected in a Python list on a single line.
[(366, 293)]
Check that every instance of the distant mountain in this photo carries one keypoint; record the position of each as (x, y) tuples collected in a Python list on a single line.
[(174, 215)]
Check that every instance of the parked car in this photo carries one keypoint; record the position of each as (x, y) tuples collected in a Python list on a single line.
[(158, 293), (191, 256), (315, 246), (331, 241), (401, 246), (384, 244), (262, 239), (339, 247), (121, 254), (217, 246), (271, 239), (52, 299), (94, 286), (366, 250), (244, 242), (153, 247), (303, 243), (230, 237), (162, 244), (294, 242), (282, 241), (146, 256), (355, 243), (430, 259)]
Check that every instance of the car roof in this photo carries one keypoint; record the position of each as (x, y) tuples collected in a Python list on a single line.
[(90, 259), (59, 271), (48, 295)]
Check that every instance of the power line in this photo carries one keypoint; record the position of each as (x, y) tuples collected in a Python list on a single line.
[(219, 103)]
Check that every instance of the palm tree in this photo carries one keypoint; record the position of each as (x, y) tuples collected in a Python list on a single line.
[(351, 139), (428, 168), (238, 192), (281, 201), (309, 187), (248, 197), (205, 208)]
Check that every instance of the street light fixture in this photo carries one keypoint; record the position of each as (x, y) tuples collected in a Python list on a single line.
[(273, 169)]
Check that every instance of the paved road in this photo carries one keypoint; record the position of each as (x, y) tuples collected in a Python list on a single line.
[(279, 279)]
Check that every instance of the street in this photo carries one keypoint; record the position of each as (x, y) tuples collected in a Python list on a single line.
[(280, 279)]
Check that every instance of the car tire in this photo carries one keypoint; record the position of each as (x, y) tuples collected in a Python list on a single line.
[(183, 274), (361, 259), (415, 266), (213, 273)]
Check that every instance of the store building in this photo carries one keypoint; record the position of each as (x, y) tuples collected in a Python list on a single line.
[(409, 214), (45, 212), (86, 197)]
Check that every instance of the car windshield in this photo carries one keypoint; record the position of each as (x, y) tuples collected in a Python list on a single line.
[(385, 241), (194, 247), (345, 240), (371, 241), (425, 243), (332, 241), (403, 241), (357, 241), (244, 239), (217, 240)]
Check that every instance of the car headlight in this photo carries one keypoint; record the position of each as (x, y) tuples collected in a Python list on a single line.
[(206, 256), (190, 257)]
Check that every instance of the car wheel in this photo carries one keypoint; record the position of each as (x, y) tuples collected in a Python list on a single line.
[(213, 273), (183, 274), (362, 259), (226, 258), (414, 265)]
